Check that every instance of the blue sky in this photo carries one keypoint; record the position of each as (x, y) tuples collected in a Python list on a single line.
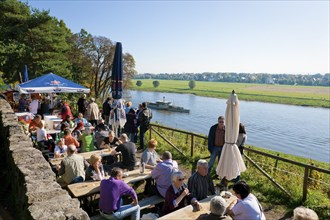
[(208, 36)]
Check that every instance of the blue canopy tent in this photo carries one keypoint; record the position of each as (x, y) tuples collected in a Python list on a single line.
[(51, 83)]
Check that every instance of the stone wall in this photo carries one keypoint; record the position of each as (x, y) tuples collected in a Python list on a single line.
[(28, 187)]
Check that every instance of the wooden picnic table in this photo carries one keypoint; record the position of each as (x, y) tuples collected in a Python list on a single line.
[(188, 212), (92, 187), (86, 155)]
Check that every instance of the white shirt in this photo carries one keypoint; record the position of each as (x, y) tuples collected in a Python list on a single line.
[(59, 150), (248, 208), (33, 107), (41, 134)]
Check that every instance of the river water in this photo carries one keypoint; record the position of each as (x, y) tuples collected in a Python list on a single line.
[(297, 130)]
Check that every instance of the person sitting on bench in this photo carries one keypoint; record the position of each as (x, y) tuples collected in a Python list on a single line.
[(128, 150), (111, 192)]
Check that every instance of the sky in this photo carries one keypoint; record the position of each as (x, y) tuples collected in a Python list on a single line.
[(208, 36)]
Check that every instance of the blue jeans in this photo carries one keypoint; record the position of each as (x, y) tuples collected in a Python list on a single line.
[(215, 153), (77, 179), (123, 211)]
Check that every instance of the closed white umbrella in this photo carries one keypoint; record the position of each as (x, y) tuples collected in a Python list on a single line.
[(231, 163)]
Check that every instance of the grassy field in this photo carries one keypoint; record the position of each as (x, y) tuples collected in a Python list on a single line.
[(285, 94), (288, 175)]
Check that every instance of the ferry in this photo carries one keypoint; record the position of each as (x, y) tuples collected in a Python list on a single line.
[(167, 106)]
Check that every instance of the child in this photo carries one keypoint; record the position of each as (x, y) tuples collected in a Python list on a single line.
[(42, 139), (60, 148)]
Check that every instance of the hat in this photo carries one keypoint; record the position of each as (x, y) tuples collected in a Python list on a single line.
[(93, 99)]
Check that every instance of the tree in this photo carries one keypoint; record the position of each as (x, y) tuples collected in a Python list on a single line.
[(155, 83), (192, 84), (81, 63), (33, 38), (101, 53), (129, 70), (44, 43), (139, 83), (100, 50)]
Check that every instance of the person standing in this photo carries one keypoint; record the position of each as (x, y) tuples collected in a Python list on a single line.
[(241, 138), (44, 107), (34, 105), (130, 127), (93, 112), (66, 111), (82, 104), (106, 108), (23, 104), (144, 120), (216, 140), (111, 192)]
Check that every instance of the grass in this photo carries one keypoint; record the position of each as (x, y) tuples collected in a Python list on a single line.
[(284, 94), (287, 175)]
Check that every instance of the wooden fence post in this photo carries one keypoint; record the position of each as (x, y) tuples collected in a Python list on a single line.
[(192, 146), (275, 166), (305, 186), (150, 132)]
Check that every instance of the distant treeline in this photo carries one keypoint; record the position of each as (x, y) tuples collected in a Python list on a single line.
[(262, 78)]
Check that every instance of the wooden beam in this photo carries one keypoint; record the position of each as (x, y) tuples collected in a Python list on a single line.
[(169, 142), (268, 176)]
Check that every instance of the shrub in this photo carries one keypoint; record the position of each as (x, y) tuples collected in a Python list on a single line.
[(192, 84), (155, 83)]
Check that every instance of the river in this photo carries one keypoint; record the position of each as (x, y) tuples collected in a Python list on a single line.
[(297, 130)]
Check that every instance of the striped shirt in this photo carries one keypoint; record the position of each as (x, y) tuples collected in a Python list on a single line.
[(200, 186)]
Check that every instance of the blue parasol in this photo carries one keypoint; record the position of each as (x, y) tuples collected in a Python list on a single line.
[(25, 74), (118, 118), (117, 73)]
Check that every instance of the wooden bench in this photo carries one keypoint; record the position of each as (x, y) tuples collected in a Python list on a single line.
[(150, 201), (144, 203)]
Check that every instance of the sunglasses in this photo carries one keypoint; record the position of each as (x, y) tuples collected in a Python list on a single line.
[(181, 179)]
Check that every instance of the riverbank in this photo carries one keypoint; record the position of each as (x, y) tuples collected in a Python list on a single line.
[(315, 96)]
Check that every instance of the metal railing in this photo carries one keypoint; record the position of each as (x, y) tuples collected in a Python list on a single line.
[(191, 137)]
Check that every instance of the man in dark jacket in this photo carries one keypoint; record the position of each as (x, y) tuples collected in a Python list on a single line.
[(144, 119), (216, 140), (82, 104), (106, 108), (127, 150)]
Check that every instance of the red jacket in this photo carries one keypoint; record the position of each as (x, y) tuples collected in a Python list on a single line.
[(66, 111)]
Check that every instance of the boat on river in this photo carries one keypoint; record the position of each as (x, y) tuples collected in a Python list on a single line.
[(167, 106)]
